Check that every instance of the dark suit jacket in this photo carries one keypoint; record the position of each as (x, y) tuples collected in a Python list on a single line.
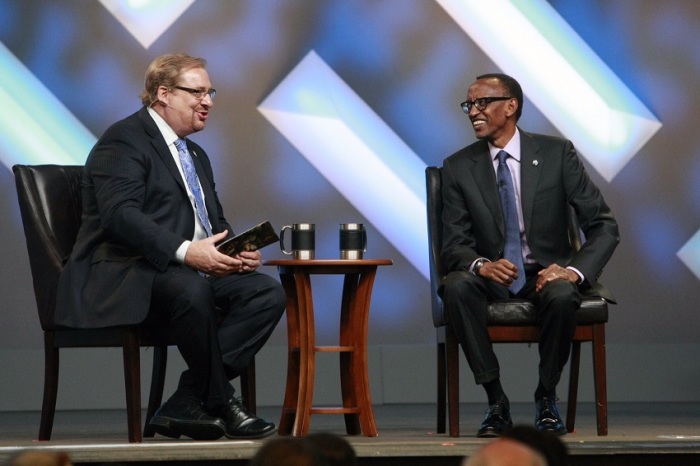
[(136, 214), (552, 177)]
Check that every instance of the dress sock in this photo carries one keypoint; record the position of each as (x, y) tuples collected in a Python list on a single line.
[(494, 392), (542, 392)]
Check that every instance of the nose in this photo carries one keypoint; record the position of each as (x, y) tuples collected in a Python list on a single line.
[(207, 101)]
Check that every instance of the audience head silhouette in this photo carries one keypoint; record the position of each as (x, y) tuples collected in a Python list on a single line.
[(506, 452), (548, 444), (287, 451), (334, 449), (40, 458)]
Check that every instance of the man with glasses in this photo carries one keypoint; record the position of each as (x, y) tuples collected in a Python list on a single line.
[(146, 253), (505, 235)]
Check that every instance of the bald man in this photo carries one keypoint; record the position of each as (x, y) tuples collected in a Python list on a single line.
[(506, 452)]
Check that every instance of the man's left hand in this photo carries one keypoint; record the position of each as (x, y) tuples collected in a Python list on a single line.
[(251, 260), (554, 272)]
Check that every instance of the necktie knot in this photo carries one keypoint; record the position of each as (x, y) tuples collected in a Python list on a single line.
[(502, 156), (180, 144)]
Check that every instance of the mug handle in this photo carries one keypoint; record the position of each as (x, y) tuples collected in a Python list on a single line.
[(286, 227), (364, 239)]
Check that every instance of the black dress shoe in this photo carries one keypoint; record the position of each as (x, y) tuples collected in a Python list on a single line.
[(496, 421), (241, 424), (547, 418), (185, 415)]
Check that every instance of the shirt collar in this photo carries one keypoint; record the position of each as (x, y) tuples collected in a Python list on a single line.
[(165, 129), (513, 147)]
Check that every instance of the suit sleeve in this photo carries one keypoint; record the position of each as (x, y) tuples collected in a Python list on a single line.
[(458, 241), (595, 218), (131, 216)]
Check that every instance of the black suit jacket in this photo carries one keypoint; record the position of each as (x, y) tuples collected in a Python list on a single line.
[(552, 177), (136, 214)]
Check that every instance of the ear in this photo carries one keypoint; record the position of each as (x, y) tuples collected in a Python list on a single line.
[(512, 107), (163, 96)]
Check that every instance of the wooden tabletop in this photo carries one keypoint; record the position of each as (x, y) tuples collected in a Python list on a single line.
[(329, 262)]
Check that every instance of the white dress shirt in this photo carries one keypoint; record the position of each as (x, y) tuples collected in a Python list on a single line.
[(170, 138)]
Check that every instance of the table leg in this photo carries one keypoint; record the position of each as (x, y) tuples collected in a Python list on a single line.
[(307, 354), (357, 293), (291, 395), (347, 359)]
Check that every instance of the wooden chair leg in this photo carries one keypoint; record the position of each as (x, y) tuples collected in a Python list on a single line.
[(441, 387), (452, 357), (572, 399), (132, 382), (48, 406), (600, 379), (155, 397), (248, 387)]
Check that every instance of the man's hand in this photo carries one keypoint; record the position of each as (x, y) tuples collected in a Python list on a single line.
[(554, 272), (250, 260), (202, 255), (501, 271)]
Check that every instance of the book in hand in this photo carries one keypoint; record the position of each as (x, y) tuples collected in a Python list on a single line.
[(250, 240)]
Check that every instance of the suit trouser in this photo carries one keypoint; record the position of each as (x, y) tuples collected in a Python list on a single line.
[(219, 324), (466, 298)]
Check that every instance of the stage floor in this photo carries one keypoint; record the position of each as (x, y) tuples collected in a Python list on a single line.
[(639, 434)]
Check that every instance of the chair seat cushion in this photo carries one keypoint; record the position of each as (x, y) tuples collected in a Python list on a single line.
[(519, 312)]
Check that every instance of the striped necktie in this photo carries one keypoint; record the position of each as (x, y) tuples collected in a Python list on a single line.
[(193, 183)]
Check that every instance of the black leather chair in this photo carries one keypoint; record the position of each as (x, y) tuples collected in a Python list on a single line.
[(511, 321), (50, 205)]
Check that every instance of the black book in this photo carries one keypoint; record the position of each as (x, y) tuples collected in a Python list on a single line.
[(250, 240)]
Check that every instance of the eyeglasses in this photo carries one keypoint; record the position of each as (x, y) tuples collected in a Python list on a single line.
[(198, 93), (481, 103)]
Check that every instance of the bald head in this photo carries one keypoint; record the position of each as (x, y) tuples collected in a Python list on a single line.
[(506, 452)]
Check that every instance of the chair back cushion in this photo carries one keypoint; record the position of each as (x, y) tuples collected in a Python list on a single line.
[(50, 203), (433, 181)]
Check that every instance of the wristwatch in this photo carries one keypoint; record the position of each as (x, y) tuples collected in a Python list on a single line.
[(478, 265)]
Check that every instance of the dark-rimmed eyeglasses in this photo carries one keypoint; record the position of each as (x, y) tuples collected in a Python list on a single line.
[(481, 103), (199, 93)]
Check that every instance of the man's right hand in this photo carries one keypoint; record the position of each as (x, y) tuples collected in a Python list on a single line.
[(202, 255), (501, 271)]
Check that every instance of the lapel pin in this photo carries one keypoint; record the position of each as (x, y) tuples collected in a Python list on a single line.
[(535, 163)]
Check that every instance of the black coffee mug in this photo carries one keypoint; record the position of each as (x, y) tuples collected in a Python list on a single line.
[(303, 240), (353, 240)]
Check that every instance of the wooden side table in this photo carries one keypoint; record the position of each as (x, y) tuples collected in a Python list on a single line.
[(295, 276)]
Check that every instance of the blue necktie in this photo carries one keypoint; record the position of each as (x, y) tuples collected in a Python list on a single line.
[(512, 250), (193, 183)]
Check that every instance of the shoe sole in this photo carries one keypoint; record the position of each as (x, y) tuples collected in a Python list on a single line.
[(264, 434), (174, 428), (551, 430), (488, 434), (491, 433)]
